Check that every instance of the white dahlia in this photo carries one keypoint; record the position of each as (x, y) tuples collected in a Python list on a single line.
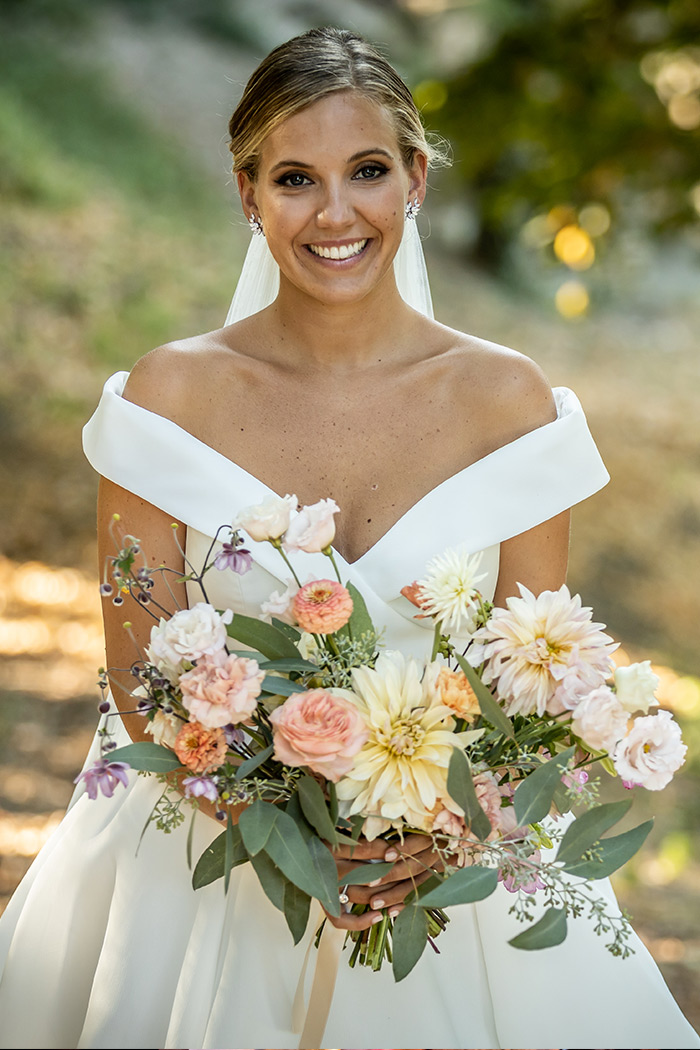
[(401, 771), (448, 591), (529, 647)]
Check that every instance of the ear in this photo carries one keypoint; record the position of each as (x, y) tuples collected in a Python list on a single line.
[(418, 176), (246, 189)]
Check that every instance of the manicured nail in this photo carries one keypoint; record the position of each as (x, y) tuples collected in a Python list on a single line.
[(375, 882), (391, 854), (377, 904), (394, 912), (376, 919)]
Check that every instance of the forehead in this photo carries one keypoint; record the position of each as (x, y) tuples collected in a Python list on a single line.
[(337, 126)]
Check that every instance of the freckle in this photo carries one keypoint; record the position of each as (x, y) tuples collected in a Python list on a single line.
[(375, 486), (368, 520)]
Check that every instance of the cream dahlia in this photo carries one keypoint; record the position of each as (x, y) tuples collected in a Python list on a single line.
[(401, 772), (528, 648), (448, 591)]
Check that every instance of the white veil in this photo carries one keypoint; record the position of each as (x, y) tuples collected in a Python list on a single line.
[(260, 277)]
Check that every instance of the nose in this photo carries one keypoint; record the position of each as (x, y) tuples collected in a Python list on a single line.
[(335, 208)]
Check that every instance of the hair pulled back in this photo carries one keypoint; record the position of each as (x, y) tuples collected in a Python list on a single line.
[(308, 68)]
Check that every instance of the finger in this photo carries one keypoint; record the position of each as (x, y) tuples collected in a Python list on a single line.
[(411, 844), (397, 894), (405, 869), (348, 921), (362, 850)]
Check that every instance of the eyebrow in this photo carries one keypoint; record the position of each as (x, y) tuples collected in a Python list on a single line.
[(355, 156)]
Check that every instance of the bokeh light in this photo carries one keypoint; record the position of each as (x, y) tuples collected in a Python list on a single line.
[(572, 299), (430, 95), (574, 247)]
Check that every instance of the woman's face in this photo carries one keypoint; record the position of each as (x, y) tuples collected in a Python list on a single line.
[(331, 192)]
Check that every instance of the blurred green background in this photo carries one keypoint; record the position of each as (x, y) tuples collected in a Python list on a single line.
[(568, 226)]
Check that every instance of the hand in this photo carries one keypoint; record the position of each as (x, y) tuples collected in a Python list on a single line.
[(418, 860)]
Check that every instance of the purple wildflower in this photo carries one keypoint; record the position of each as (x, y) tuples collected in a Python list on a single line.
[(106, 590), (201, 787), (104, 776), (234, 735), (232, 557)]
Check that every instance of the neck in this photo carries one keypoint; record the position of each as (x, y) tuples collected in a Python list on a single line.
[(339, 336)]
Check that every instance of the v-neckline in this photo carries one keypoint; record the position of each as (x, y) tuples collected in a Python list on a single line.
[(421, 501)]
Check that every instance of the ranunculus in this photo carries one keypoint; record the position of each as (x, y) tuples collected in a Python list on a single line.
[(199, 748), (320, 729), (222, 689), (454, 690), (312, 529), (600, 720), (635, 686), (187, 635), (267, 520), (164, 728), (322, 606), (651, 752)]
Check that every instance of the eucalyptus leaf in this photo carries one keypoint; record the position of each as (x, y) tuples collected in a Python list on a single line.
[(147, 756), (292, 856), (267, 639), (315, 808), (296, 910), (545, 933), (273, 685), (533, 796), (363, 874), (327, 874), (288, 664), (293, 808), (360, 621), (256, 823), (611, 853), (409, 938), (460, 787), (463, 887), (286, 628), (211, 864), (587, 829), (490, 708), (251, 764), (561, 798), (333, 802), (271, 879)]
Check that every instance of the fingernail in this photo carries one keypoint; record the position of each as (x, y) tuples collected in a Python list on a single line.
[(390, 854), (375, 882), (377, 904), (394, 912), (376, 919)]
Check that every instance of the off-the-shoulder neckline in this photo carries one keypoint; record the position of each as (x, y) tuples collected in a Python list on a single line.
[(562, 395)]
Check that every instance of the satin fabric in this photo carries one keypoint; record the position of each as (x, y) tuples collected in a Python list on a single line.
[(105, 943)]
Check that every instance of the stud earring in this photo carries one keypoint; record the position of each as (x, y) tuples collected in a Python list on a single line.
[(255, 223), (412, 209)]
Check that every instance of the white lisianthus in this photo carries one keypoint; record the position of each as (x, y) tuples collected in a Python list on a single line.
[(600, 720), (401, 772), (529, 647), (651, 752), (312, 529), (164, 728), (448, 591), (279, 604), (187, 635), (267, 520), (635, 686)]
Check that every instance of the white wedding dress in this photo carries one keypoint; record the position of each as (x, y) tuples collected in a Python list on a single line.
[(107, 946)]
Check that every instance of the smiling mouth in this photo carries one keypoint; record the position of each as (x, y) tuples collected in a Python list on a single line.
[(341, 251)]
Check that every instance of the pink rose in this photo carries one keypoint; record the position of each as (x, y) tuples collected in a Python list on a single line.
[(322, 606), (318, 729), (221, 689), (312, 529)]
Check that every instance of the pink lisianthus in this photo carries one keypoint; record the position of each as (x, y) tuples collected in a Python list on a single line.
[(221, 689), (199, 748), (312, 529), (600, 720), (319, 729), (322, 606), (268, 519), (651, 752)]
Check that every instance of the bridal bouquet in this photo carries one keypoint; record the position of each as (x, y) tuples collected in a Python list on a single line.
[(317, 735)]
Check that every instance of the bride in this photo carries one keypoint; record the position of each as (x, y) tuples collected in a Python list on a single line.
[(331, 379)]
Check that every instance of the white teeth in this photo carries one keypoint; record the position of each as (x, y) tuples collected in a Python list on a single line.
[(345, 251)]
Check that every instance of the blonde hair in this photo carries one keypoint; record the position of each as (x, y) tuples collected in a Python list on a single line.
[(308, 68)]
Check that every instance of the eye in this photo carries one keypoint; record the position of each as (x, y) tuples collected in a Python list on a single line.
[(370, 171), (293, 179)]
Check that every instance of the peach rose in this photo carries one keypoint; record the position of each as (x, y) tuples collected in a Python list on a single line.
[(319, 729), (456, 692), (221, 689), (322, 606), (199, 748), (312, 529)]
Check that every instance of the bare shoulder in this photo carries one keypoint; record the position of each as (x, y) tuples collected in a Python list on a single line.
[(504, 387)]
